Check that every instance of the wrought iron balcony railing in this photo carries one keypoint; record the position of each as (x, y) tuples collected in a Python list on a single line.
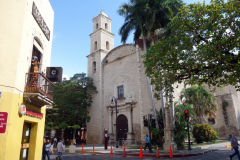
[(39, 89)]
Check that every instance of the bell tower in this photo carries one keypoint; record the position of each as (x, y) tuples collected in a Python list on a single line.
[(101, 38), (102, 42)]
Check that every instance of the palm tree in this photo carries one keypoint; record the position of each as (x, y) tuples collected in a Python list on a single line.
[(144, 17), (203, 102)]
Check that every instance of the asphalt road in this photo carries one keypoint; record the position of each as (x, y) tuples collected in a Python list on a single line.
[(222, 154)]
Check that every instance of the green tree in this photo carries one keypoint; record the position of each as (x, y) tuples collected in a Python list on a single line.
[(203, 45), (203, 102), (71, 99), (180, 131), (144, 17)]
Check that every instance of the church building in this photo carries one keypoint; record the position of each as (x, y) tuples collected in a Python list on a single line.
[(119, 73)]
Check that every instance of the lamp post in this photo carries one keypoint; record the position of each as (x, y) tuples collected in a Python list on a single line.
[(115, 100)]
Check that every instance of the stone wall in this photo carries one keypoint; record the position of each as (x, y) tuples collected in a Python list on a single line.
[(227, 119)]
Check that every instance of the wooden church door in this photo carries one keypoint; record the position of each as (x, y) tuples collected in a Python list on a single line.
[(122, 126)]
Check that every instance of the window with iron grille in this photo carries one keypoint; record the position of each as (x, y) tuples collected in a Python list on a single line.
[(120, 92)]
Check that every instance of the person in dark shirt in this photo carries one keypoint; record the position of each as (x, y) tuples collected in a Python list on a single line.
[(46, 150), (234, 144)]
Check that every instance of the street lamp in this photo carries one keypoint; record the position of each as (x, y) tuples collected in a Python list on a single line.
[(115, 100)]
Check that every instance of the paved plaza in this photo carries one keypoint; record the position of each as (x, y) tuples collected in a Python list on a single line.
[(208, 152)]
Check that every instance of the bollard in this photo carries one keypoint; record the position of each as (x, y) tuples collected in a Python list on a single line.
[(82, 147)]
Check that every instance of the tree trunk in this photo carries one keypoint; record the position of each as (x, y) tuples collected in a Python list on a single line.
[(150, 87), (160, 140)]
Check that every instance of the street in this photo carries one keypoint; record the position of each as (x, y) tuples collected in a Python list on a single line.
[(222, 154)]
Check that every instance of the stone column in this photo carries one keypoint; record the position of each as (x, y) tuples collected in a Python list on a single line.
[(129, 110), (110, 124), (130, 135), (110, 121), (168, 130)]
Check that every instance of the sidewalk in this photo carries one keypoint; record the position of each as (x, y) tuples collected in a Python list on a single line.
[(99, 149)]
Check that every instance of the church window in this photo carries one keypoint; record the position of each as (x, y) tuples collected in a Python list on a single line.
[(120, 92), (106, 26), (96, 26), (94, 67), (95, 45), (107, 45)]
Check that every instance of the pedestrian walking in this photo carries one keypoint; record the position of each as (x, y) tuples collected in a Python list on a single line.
[(59, 150), (55, 142), (44, 141), (234, 144), (47, 149), (146, 142)]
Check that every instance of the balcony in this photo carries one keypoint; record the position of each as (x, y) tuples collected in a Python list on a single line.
[(38, 90)]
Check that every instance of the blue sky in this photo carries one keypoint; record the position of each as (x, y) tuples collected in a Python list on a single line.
[(72, 26)]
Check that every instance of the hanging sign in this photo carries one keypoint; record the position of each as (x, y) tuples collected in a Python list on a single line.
[(22, 109), (3, 122)]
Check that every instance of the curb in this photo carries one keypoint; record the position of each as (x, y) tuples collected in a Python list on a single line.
[(149, 155)]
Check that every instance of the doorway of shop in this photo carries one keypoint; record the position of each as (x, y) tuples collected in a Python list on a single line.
[(25, 141)]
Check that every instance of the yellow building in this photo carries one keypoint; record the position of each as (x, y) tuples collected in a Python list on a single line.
[(26, 33)]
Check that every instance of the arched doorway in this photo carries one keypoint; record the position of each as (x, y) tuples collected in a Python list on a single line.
[(122, 127)]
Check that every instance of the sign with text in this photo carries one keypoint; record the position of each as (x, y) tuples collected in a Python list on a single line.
[(3, 122), (23, 110), (34, 113)]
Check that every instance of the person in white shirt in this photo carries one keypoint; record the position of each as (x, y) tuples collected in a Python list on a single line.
[(59, 149), (55, 142)]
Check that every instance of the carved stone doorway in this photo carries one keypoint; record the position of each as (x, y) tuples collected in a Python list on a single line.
[(122, 126)]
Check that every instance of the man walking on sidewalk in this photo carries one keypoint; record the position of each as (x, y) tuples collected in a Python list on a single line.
[(59, 150), (146, 142), (234, 144)]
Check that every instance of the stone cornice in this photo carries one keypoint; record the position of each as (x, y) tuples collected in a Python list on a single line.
[(122, 106), (101, 15), (99, 50), (101, 29)]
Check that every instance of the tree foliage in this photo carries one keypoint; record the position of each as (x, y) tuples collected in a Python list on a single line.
[(203, 46), (71, 99), (180, 131), (203, 102), (145, 16)]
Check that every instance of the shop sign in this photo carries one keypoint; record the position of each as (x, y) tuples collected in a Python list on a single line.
[(34, 113), (23, 110), (3, 121), (40, 21)]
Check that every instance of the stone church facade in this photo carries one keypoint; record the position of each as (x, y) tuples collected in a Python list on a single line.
[(120, 72)]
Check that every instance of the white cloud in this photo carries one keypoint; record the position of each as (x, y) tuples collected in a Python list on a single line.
[(65, 76)]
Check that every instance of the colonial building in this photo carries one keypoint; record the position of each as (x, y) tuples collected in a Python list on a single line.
[(117, 72), (120, 72), (26, 34)]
